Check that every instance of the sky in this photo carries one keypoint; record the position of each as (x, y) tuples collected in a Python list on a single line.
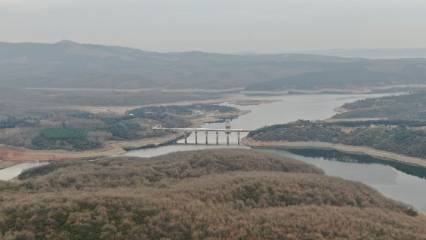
[(227, 26)]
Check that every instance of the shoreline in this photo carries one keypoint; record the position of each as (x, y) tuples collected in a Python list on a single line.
[(361, 90), (380, 154), (12, 155)]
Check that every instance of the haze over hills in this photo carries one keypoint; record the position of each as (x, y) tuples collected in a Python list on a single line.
[(391, 53), (193, 120), (68, 64)]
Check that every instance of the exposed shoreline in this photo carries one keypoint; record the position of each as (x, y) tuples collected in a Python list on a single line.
[(12, 155), (112, 148), (383, 155), (361, 90)]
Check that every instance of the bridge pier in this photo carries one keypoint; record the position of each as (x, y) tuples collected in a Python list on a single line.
[(194, 131), (227, 138)]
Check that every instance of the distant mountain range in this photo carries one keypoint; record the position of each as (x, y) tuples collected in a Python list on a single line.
[(69, 64), (390, 53)]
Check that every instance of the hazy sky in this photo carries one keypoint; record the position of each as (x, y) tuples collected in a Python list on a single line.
[(219, 25)]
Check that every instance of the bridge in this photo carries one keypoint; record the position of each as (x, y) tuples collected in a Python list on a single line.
[(227, 130)]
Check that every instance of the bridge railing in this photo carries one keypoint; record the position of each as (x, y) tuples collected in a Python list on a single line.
[(188, 132)]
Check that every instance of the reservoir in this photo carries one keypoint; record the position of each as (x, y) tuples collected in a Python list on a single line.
[(395, 182), (283, 109), (398, 182)]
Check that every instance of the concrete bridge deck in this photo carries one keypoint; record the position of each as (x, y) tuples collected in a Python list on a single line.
[(188, 131), (204, 129)]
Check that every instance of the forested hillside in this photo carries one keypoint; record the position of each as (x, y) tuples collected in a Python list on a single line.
[(220, 194), (72, 65), (411, 107), (346, 78)]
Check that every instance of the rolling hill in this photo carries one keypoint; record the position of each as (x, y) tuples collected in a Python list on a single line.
[(210, 194), (69, 64)]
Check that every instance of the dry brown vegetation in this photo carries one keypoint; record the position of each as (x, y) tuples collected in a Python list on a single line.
[(119, 172), (212, 194)]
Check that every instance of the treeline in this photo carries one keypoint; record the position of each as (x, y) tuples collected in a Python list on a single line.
[(182, 109), (8, 123), (408, 107), (128, 127), (13, 122), (338, 78), (176, 115), (64, 138), (384, 122), (86, 131), (398, 139)]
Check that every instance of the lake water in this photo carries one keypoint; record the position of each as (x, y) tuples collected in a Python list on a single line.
[(284, 109), (392, 181), (396, 182)]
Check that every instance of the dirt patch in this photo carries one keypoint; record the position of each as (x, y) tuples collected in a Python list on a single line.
[(6, 164), (15, 154)]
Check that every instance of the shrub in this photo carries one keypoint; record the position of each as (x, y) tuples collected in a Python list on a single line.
[(63, 138)]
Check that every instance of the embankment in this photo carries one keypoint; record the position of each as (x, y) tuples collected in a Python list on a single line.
[(384, 155)]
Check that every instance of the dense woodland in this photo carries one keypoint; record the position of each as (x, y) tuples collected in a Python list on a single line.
[(398, 139), (220, 194)]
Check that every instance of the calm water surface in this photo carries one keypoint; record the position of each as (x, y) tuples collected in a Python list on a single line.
[(285, 109), (393, 183)]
